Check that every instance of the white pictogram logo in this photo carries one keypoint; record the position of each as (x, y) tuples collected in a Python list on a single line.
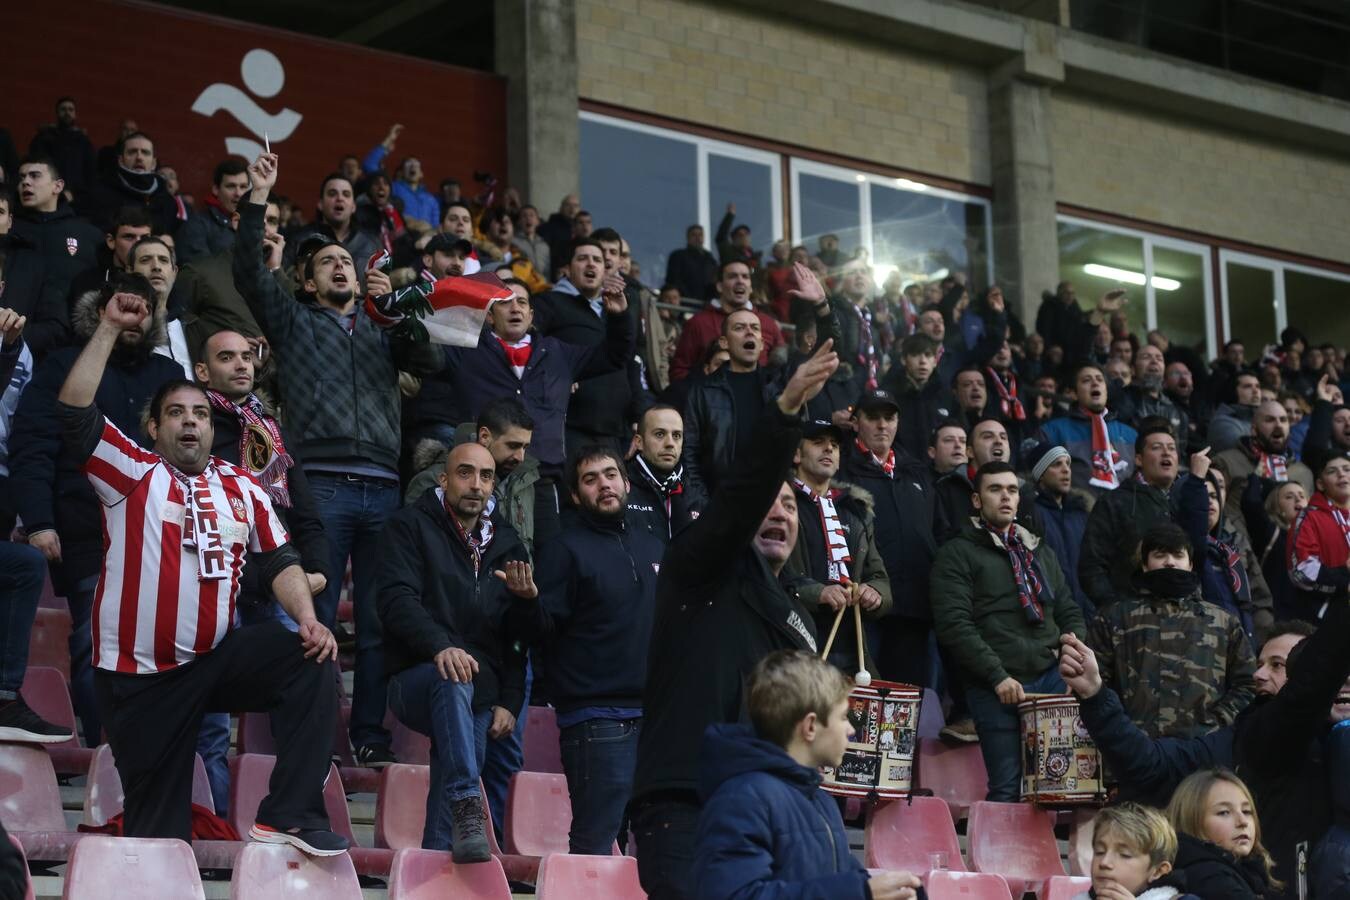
[(262, 74)]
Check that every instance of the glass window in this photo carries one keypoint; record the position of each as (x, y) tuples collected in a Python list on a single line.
[(1317, 306), (1180, 296), (1251, 305), (642, 184), (1096, 261), (924, 236), (750, 186), (830, 206)]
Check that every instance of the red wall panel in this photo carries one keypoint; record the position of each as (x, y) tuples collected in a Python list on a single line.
[(120, 58)]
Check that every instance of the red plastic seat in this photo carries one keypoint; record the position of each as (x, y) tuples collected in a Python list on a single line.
[(408, 745), (249, 773), (276, 872), (541, 749), (433, 875), (1066, 887), (138, 867), (46, 691), (1015, 840), (902, 835), (18, 845), (30, 799), (49, 641), (538, 814), (103, 795), (931, 718), (1080, 842), (966, 886), (955, 774), (49, 599), (565, 877), (255, 735), (401, 808)]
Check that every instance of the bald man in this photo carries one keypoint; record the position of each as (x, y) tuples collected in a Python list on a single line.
[(445, 580), (1264, 453)]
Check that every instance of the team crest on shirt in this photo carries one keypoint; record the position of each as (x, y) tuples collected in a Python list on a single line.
[(237, 504), (656, 567), (72, 246)]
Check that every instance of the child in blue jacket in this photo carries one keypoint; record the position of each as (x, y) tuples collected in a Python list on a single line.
[(767, 830)]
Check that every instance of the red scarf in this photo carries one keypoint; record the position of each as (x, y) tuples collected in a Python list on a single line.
[(887, 465), (837, 556), (1007, 395), (261, 449), (517, 354), (1106, 462), (1342, 519)]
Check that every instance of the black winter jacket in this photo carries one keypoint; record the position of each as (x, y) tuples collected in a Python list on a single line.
[(430, 599), (593, 616), (719, 610), (647, 503), (113, 190), (29, 291), (1209, 871), (67, 243), (710, 428), (921, 409)]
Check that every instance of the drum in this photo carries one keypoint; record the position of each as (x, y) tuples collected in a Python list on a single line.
[(879, 760), (1061, 765)]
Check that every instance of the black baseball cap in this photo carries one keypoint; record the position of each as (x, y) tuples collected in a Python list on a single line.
[(878, 399), (447, 243), (821, 427)]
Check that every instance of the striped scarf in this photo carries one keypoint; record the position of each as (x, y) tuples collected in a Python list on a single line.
[(837, 556), (261, 449), (1009, 402), (1029, 587)]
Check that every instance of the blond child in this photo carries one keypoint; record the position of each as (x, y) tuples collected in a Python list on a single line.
[(1133, 848)]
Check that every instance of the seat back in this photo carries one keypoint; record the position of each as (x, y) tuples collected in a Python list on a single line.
[(956, 774), (249, 774), (30, 799), (1080, 842), (967, 886), (408, 745), (904, 835), (401, 808), (931, 719), (564, 877), (45, 690), (49, 641), (162, 868), (1015, 840), (1066, 887), (541, 749), (18, 845), (278, 872), (538, 814), (103, 794), (432, 875)]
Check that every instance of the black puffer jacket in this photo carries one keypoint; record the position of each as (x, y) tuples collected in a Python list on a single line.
[(67, 243), (1209, 871), (651, 509), (29, 291)]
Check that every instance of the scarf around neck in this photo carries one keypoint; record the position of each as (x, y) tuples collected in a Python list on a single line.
[(261, 449), (476, 544), (1009, 402), (1106, 462), (887, 465), (201, 523), (837, 556), (1271, 466), (1023, 562)]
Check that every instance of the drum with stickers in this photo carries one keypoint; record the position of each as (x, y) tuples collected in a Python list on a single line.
[(1061, 765)]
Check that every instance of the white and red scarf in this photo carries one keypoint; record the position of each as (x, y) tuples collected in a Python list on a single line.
[(1009, 402), (867, 355), (201, 524), (261, 449), (887, 465), (1273, 466), (476, 544), (837, 556), (1106, 462), (517, 353)]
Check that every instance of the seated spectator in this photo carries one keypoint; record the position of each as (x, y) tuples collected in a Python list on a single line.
[(924, 400), (1232, 421), (835, 562), (733, 293), (152, 693), (1061, 514), (1098, 443), (132, 182), (1263, 455), (660, 499), (1219, 849), (1000, 603), (767, 829), (1144, 397), (1133, 848), (336, 223), (593, 622), (455, 676), (1181, 667), (1269, 516), (212, 231), (68, 244)]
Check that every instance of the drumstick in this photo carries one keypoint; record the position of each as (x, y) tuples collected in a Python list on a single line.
[(838, 617), (863, 678)]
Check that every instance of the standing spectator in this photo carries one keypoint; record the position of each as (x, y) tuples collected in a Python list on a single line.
[(212, 231), (28, 291), (418, 201), (58, 506), (1232, 421), (1144, 396), (593, 621), (377, 214), (1000, 603), (127, 227), (734, 243), (1179, 387), (1062, 515), (336, 223), (1231, 575), (1319, 546), (950, 471), (133, 182), (720, 608), (153, 691), (339, 380), (67, 243), (1263, 455), (733, 293), (1006, 395), (450, 193), (532, 243), (857, 341), (1270, 513), (65, 143), (835, 562), (559, 228), (661, 500), (153, 257), (778, 279), (906, 521), (1329, 869), (499, 254), (924, 400), (1097, 441), (1181, 667), (972, 395), (445, 571)]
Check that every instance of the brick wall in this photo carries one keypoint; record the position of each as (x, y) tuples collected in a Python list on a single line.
[(1163, 169), (745, 73)]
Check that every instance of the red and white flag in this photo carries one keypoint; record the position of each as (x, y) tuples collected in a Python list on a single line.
[(459, 307)]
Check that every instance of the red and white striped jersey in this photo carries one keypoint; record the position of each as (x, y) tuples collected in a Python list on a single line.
[(173, 545)]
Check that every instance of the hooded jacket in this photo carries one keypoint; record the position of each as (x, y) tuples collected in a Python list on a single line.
[(978, 617), (767, 830), (47, 484), (1230, 423), (921, 408), (1062, 525)]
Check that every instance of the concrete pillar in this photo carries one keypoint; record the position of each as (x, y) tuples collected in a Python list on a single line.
[(1026, 243), (536, 51)]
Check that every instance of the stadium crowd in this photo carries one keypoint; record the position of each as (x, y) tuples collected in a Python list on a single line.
[(627, 497)]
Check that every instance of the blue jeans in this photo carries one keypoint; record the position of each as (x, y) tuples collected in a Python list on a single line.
[(599, 757), (256, 613), (81, 603), (506, 757), (213, 743), (353, 512), (1000, 733), (22, 570), (443, 711)]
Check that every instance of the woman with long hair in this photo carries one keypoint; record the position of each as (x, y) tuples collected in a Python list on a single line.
[(1219, 849)]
